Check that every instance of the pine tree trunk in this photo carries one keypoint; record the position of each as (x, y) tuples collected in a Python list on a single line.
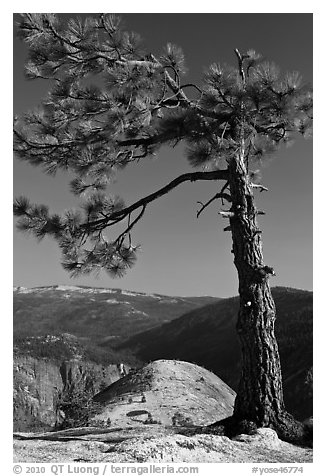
[(260, 393)]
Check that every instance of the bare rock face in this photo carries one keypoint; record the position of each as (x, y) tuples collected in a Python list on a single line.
[(262, 447), (166, 392), (142, 419), (36, 387), (39, 383), (159, 446)]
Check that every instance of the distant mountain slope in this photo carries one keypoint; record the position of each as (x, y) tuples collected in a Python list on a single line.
[(151, 328), (97, 314), (207, 337)]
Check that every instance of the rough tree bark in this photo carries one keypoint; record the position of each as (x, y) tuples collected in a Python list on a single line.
[(260, 391)]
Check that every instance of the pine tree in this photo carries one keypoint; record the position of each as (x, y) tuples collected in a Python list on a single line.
[(137, 104)]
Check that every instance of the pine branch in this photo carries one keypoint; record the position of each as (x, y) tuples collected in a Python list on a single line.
[(188, 177), (182, 97), (147, 141), (94, 131), (191, 85)]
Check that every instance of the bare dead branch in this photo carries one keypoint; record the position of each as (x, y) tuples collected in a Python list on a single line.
[(240, 63), (226, 214), (220, 195), (127, 231), (258, 185)]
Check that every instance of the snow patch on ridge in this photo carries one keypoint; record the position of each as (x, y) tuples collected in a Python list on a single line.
[(131, 293), (63, 287), (66, 288), (22, 290)]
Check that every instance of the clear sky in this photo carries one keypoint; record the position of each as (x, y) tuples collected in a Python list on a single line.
[(183, 255)]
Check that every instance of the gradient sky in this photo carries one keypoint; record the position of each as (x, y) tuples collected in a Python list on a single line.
[(180, 254)]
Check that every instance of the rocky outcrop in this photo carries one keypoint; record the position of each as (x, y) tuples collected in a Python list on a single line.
[(156, 444), (167, 392), (161, 389), (261, 447), (40, 383)]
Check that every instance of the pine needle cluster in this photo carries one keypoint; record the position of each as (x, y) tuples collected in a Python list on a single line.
[(110, 104)]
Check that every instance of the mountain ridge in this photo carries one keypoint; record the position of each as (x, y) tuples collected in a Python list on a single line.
[(101, 289), (98, 314)]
